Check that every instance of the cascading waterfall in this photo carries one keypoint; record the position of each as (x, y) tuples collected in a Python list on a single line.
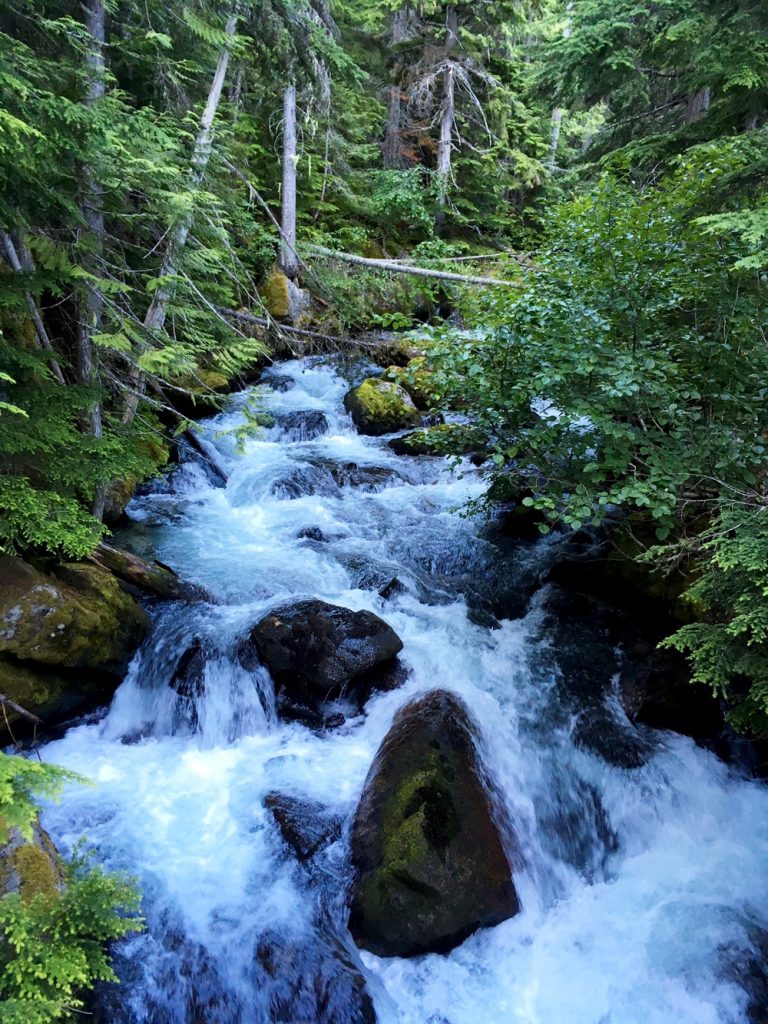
[(644, 889)]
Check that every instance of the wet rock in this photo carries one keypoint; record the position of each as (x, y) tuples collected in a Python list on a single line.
[(305, 425), (306, 479), (152, 577), (314, 649), (381, 407), (335, 721), (311, 983), (80, 618), (188, 679), (442, 439), (392, 589), (363, 478), (305, 825), (278, 381), (312, 533), (598, 731), (431, 866), (654, 690)]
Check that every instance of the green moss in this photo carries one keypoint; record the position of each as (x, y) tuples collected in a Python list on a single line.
[(414, 379), (381, 407), (442, 439), (82, 619), (276, 295), (37, 872)]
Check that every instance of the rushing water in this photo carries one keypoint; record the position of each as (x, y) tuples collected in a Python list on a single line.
[(644, 890)]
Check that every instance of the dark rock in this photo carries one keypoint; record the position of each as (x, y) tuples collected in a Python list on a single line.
[(304, 824), (364, 478), (278, 381), (443, 439), (314, 649), (306, 479), (312, 533), (312, 983), (335, 721), (597, 730), (391, 589), (305, 425), (188, 676), (654, 690), (431, 866)]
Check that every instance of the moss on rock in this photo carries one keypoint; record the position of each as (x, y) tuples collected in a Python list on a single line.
[(30, 867), (442, 439), (381, 407), (416, 380), (276, 294), (431, 864), (80, 618)]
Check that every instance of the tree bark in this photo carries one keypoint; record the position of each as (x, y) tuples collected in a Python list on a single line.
[(447, 115), (554, 138), (392, 148), (697, 105), (154, 320), (18, 266), (392, 266), (92, 308), (288, 261)]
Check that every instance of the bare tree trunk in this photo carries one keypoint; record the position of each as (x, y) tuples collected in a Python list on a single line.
[(158, 308), (391, 266), (19, 265), (554, 138), (698, 105), (392, 148), (290, 158), (447, 115), (92, 310)]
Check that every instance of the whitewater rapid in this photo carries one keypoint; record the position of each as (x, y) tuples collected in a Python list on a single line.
[(644, 890)]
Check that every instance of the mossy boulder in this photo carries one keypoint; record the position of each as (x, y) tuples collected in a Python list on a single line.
[(50, 695), (381, 407), (282, 298), (198, 394), (416, 380), (80, 618), (431, 865), (395, 352), (442, 439), (30, 867)]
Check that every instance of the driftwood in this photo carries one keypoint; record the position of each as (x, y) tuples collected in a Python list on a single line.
[(6, 702), (402, 268)]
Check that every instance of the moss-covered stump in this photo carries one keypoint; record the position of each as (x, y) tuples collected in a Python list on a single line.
[(381, 407), (80, 618), (431, 867), (442, 439)]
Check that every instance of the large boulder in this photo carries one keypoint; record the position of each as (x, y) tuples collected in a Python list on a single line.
[(305, 825), (442, 439), (416, 379), (381, 407), (80, 618), (315, 650), (431, 865), (30, 867)]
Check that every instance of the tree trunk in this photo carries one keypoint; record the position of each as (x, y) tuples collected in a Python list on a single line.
[(447, 115), (554, 138), (392, 266), (19, 265), (392, 148), (92, 308), (698, 105), (201, 153), (288, 248)]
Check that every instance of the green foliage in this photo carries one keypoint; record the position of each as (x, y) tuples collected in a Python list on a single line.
[(53, 940), (21, 783), (54, 945), (728, 647)]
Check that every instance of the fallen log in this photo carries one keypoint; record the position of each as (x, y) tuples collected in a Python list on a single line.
[(401, 268)]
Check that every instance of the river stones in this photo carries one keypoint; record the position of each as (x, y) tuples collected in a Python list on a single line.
[(188, 679), (302, 425), (381, 407), (431, 866), (315, 650), (305, 825)]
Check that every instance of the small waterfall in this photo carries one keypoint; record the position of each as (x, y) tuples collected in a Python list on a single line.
[(642, 875)]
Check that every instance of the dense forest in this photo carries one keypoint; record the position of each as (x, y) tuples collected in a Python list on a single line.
[(561, 207)]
